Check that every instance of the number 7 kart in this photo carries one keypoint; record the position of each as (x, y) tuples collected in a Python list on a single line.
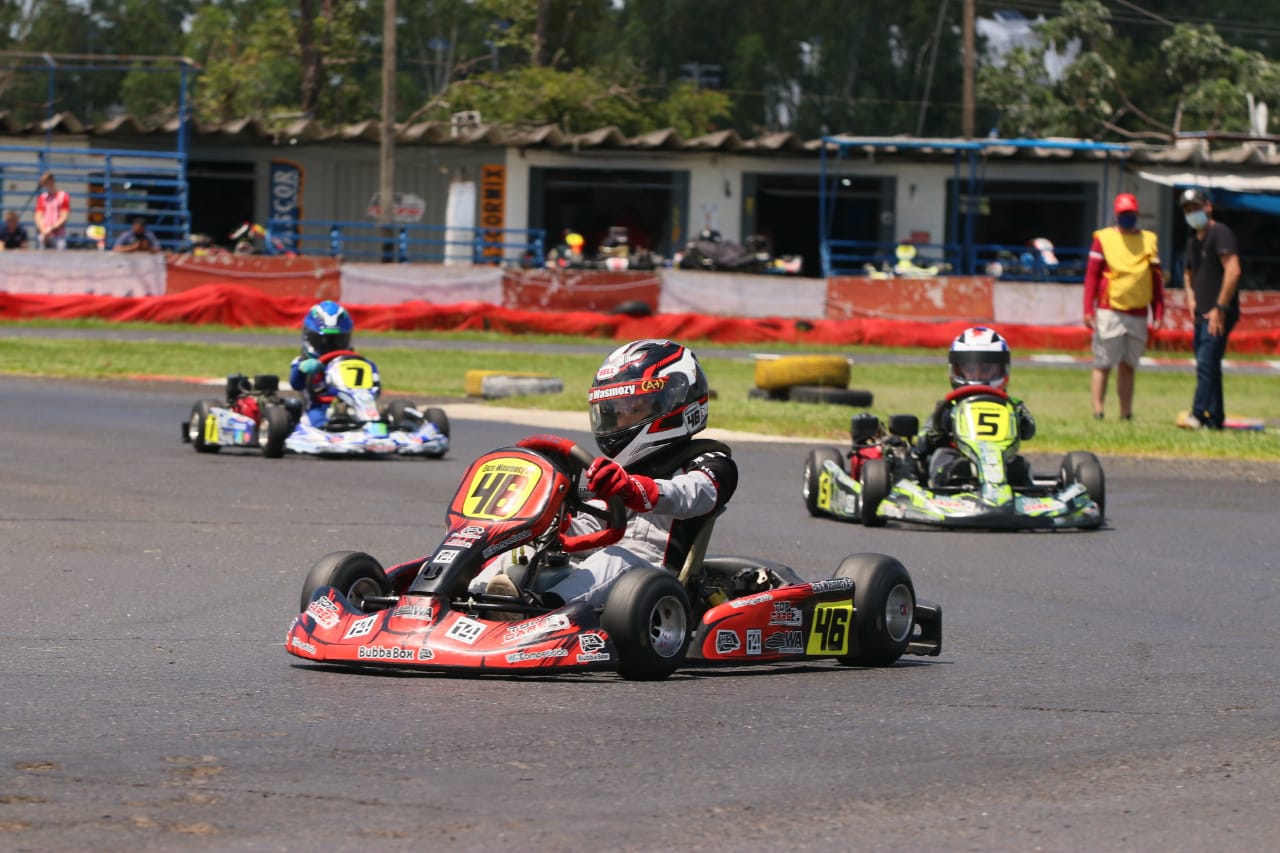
[(734, 610), (357, 423), (992, 487)]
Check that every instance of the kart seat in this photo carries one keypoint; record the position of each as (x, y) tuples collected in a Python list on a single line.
[(698, 550)]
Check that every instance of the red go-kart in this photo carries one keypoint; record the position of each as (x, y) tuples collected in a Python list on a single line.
[(419, 613)]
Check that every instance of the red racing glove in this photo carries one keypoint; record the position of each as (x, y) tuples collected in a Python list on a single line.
[(607, 478)]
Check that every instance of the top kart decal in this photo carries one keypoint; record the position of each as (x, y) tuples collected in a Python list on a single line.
[(500, 488), (324, 611)]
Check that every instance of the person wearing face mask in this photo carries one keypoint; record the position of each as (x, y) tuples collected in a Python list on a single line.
[(1210, 281), (1123, 292)]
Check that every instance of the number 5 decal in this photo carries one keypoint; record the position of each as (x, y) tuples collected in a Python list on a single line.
[(988, 423), (829, 634)]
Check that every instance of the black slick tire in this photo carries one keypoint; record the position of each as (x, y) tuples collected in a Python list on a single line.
[(197, 423), (273, 428), (647, 616), (884, 601), (813, 465), (352, 573), (876, 480)]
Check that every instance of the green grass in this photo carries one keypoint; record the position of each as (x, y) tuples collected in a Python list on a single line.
[(1058, 397)]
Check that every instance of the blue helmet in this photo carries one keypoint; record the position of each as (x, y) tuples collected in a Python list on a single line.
[(326, 329)]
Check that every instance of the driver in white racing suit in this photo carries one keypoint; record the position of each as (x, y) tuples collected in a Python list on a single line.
[(648, 400)]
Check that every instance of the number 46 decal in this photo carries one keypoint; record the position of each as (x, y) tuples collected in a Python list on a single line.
[(829, 634)]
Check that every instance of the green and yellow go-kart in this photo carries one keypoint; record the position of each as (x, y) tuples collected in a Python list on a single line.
[(981, 493)]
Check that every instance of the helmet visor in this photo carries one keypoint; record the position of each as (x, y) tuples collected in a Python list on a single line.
[(980, 368), (329, 340), (627, 404)]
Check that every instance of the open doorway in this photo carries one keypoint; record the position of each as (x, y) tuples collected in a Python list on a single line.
[(651, 205), (784, 209), (220, 197)]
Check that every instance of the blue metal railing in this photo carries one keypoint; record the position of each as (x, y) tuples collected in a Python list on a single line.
[(107, 187), (404, 242)]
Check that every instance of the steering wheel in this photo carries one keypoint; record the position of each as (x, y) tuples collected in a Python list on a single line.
[(575, 459)]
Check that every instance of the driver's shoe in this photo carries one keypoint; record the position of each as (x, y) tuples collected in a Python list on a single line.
[(503, 585)]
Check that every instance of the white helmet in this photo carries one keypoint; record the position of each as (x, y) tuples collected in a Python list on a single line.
[(979, 356), (647, 395)]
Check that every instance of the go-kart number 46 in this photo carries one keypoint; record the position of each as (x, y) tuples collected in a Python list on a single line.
[(830, 631), (500, 489)]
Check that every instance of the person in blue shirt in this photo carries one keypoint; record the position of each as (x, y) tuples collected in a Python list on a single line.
[(139, 238), (326, 332)]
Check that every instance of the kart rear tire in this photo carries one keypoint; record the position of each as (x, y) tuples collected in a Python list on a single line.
[(813, 465), (1083, 467), (876, 480), (352, 573), (196, 423), (884, 603), (273, 428), (831, 396), (438, 419), (647, 617)]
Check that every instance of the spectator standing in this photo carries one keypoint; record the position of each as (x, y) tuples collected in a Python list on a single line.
[(53, 208), (139, 238), (1123, 291), (1211, 281), (12, 233)]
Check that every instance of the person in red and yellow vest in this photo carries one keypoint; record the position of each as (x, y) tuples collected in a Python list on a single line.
[(1123, 291)]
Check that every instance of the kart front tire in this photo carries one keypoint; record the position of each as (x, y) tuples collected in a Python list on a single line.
[(876, 480), (438, 419), (1083, 467), (352, 573), (884, 603), (398, 416), (813, 465), (647, 617), (200, 414), (273, 428)]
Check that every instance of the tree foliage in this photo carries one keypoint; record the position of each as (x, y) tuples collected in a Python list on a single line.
[(1195, 80), (809, 66)]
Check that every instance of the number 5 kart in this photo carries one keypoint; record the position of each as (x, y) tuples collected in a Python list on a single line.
[(993, 487), (734, 610)]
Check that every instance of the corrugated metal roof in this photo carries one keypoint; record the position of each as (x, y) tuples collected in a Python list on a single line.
[(304, 130)]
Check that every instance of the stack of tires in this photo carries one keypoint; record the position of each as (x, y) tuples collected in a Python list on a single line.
[(807, 379)]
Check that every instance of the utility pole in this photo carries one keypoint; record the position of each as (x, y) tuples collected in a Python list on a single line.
[(966, 120), (387, 153)]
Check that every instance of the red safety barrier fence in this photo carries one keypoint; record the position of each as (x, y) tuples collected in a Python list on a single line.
[(232, 305)]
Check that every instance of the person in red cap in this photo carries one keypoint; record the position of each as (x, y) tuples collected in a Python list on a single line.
[(1123, 291)]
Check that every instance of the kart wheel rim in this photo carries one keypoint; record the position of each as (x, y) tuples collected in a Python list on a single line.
[(899, 613), (358, 590), (264, 433), (808, 472), (667, 627)]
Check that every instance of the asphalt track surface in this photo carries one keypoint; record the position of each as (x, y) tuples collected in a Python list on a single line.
[(1114, 690)]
